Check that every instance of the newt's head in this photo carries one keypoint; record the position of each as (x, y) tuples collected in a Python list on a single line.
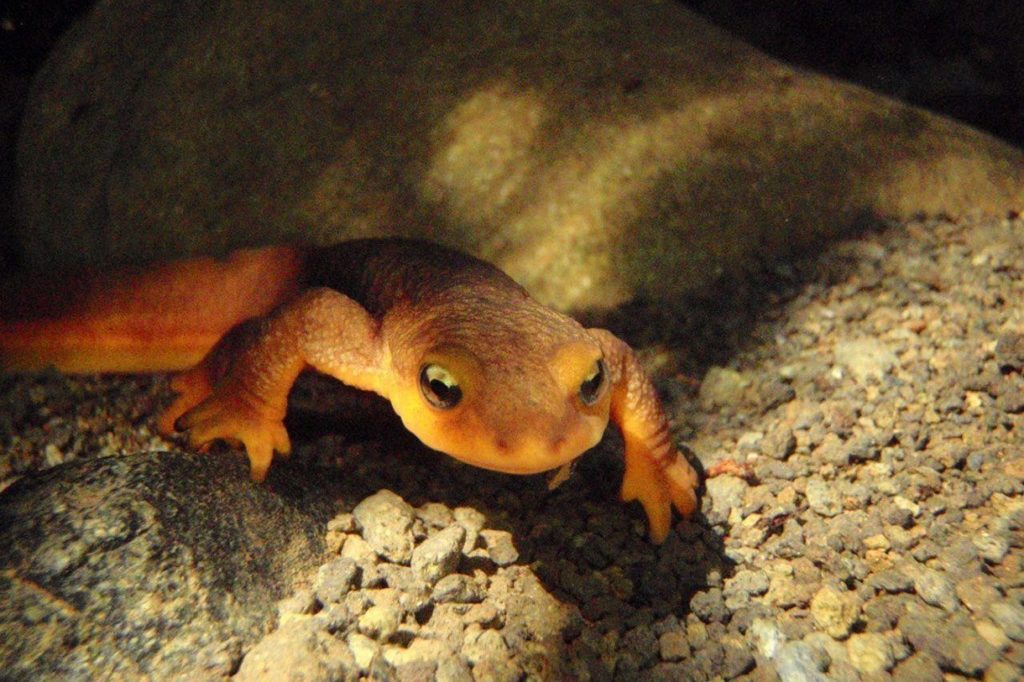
[(508, 398)]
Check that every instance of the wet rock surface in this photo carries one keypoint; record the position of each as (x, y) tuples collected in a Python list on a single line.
[(863, 523)]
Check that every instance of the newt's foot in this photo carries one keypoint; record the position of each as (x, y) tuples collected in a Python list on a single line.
[(192, 388), (228, 415), (659, 488)]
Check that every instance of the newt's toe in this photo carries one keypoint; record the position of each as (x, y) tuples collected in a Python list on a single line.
[(225, 416), (192, 387), (260, 456), (682, 482), (659, 489)]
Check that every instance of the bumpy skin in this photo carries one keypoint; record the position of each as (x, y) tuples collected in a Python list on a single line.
[(374, 314)]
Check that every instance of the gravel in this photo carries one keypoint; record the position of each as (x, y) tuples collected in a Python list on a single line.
[(870, 652), (439, 555), (861, 410), (835, 612), (386, 521)]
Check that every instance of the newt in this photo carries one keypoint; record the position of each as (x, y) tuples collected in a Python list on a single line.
[(474, 367)]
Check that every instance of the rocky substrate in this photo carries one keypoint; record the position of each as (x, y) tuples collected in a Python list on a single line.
[(859, 417)]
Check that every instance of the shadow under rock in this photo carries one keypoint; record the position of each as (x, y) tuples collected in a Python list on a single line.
[(717, 321)]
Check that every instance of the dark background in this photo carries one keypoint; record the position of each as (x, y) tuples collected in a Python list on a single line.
[(963, 58)]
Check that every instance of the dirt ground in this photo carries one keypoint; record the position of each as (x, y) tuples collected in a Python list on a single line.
[(858, 414)]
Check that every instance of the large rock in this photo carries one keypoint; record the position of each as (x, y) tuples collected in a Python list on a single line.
[(595, 150), (163, 565)]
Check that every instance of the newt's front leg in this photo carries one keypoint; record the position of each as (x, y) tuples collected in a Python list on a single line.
[(239, 392), (656, 473)]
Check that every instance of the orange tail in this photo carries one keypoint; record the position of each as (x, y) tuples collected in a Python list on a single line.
[(140, 319)]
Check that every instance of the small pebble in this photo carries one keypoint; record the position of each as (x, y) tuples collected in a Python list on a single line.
[(991, 548), (767, 637), (342, 523), (866, 358), (779, 443), (380, 622), (834, 611), (334, 579), (935, 589), (746, 583), (363, 649), (357, 549), (1003, 671), (303, 602), (435, 515), (500, 546), (892, 581), (453, 669), (737, 660), (870, 652), (726, 493), (977, 594), (485, 614), (386, 520), (479, 645), (722, 387), (918, 668), (457, 588), (439, 554), (1009, 616), (801, 662), (673, 646), (823, 498), (472, 521), (1010, 351)]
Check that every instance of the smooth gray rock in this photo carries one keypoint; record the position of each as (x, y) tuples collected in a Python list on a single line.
[(159, 564)]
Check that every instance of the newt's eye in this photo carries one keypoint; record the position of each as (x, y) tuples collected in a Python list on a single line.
[(590, 389), (439, 387)]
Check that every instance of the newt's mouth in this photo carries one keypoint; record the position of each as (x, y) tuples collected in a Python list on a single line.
[(524, 468)]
